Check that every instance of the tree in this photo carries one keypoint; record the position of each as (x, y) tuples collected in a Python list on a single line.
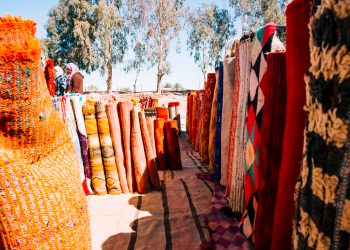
[(88, 33), (209, 30), (138, 62), (92, 88), (156, 22), (254, 13)]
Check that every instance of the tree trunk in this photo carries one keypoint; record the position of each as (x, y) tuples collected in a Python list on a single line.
[(110, 77), (159, 83)]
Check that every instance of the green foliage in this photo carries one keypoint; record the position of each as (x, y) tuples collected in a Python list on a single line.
[(178, 87), (255, 13), (168, 85), (209, 30), (124, 90), (88, 33), (155, 23), (92, 88)]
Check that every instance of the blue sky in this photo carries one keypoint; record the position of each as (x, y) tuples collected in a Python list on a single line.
[(183, 68)]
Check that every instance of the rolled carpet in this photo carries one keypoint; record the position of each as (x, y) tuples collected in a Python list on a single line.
[(232, 132), (72, 128), (171, 108), (217, 169), (322, 218), (228, 86), (150, 154), (173, 145), (236, 198), (124, 109), (162, 112), (207, 105), (177, 115), (79, 118), (159, 137), (212, 127), (138, 154), (199, 119), (112, 178), (42, 202), (150, 117), (194, 119), (274, 89), (266, 40), (116, 136), (98, 178), (298, 61)]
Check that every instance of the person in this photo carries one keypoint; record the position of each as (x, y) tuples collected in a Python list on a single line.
[(74, 79), (60, 81)]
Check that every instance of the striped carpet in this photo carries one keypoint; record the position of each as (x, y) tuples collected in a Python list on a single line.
[(170, 219)]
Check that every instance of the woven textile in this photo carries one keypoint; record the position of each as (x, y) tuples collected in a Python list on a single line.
[(233, 125), (50, 76), (109, 163), (323, 191), (42, 203), (265, 40), (199, 119), (151, 156), (217, 169), (228, 86), (298, 60), (194, 119), (207, 104), (116, 136), (138, 154), (98, 178), (72, 128), (150, 117), (173, 145), (212, 127), (159, 137), (162, 112), (76, 102), (272, 128), (124, 109)]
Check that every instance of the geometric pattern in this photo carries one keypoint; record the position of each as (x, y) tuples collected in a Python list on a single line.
[(265, 39), (223, 227)]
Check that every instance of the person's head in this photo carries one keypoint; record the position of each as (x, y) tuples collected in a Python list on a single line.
[(71, 68), (58, 71)]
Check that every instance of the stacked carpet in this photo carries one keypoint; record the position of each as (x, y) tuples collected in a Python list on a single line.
[(76, 102), (323, 189), (212, 126), (207, 104), (159, 137), (124, 109), (272, 129), (228, 87), (265, 40), (297, 59), (172, 145), (116, 136), (217, 168), (138, 154), (98, 178), (151, 156), (42, 202)]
